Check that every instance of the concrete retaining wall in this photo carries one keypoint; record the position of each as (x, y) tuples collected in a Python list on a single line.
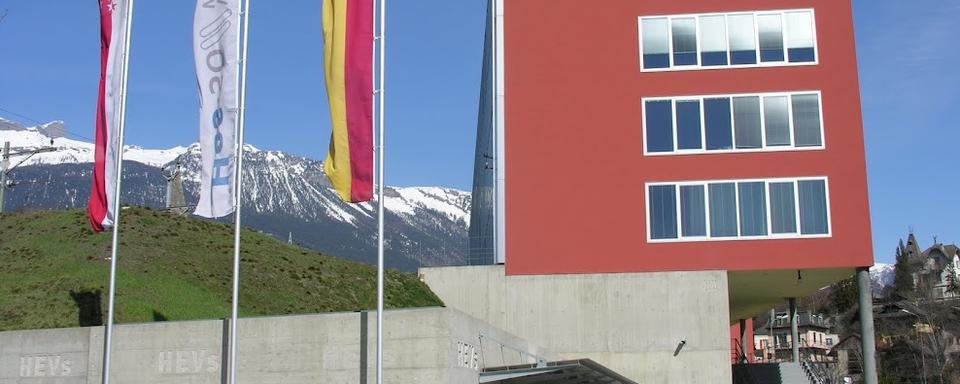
[(631, 323), (430, 345)]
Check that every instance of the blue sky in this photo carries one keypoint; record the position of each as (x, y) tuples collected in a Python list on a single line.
[(49, 70)]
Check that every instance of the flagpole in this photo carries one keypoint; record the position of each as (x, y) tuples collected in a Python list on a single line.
[(380, 137), (237, 185), (108, 331)]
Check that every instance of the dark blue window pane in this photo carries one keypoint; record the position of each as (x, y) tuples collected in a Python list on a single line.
[(753, 209), (685, 58), (767, 55), (688, 125), (743, 57), (802, 55), (693, 211), (717, 123), (813, 207), (713, 58), (663, 212), (656, 60), (659, 116), (723, 210), (783, 211)]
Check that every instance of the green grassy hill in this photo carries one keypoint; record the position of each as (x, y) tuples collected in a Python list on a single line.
[(54, 272)]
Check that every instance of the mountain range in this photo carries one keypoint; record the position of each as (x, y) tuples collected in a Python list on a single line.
[(284, 195)]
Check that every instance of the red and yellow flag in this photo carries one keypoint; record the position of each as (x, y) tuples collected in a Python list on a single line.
[(348, 62)]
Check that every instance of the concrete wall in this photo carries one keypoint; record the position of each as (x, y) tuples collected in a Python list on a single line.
[(432, 345), (628, 322)]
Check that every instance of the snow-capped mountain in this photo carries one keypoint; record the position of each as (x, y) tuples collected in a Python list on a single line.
[(53, 134), (283, 194), (881, 274)]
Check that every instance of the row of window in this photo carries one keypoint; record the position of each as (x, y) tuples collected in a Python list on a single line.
[(772, 121), (736, 39), (718, 210)]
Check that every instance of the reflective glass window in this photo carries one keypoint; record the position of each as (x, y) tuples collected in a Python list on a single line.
[(663, 212), (656, 43), (659, 125), (746, 117), (693, 211), (771, 37), (684, 41), (800, 37), (753, 209), (743, 40), (713, 40), (717, 123), (688, 125), (783, 211), (776, 120), (806, 121), (723, 210), (813, 207)]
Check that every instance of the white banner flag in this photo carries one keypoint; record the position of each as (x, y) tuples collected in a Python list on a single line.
[(215, 50)]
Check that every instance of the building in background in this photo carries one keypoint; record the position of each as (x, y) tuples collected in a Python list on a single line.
[(660, 172), (816, 339)]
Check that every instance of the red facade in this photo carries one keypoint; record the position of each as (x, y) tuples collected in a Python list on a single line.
[(575, 165)]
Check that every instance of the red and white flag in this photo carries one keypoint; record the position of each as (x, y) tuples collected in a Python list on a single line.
[(114, 33)]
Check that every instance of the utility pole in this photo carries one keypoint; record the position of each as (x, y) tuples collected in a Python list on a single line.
[(4, 163), (5, 167)]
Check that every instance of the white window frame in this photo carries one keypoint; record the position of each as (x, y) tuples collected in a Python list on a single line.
[(763, 124), (766, 186), (786, 54)]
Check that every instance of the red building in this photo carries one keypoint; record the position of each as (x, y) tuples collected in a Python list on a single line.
[(653, 139), (696, 135)]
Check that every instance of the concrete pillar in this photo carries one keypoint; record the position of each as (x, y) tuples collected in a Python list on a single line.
[(794, 333), (867, 338), (746, 346)]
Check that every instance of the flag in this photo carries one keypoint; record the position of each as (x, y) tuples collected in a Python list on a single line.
[(101, 208), (348, 69), (215, 50)]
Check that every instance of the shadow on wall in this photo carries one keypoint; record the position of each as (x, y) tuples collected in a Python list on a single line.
[(89, 313)]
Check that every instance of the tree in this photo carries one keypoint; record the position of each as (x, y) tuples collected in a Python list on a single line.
[(902, 275), (953, 281)]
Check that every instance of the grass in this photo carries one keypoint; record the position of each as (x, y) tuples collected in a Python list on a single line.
[(54, 271)]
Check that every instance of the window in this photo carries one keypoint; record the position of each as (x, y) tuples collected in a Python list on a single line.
[(684, 41), (746, 115), (688, 125), (737, 123), (659, 125), (753, 206), (806, 118), (743, 44), (656, 47), (771, 37), (776, 120), (703, 41), (813, 207), (713, 40), (717, 124), (663, 212), (723, 210), (783, 213), (693, 211), (801, 46), (738, 209)]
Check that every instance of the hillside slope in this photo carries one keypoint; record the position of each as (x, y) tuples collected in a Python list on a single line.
[(54, 272)]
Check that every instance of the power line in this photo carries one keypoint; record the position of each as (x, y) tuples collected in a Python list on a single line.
[(38, 122)]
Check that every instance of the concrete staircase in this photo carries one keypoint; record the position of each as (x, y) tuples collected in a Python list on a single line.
[(781, 373)]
